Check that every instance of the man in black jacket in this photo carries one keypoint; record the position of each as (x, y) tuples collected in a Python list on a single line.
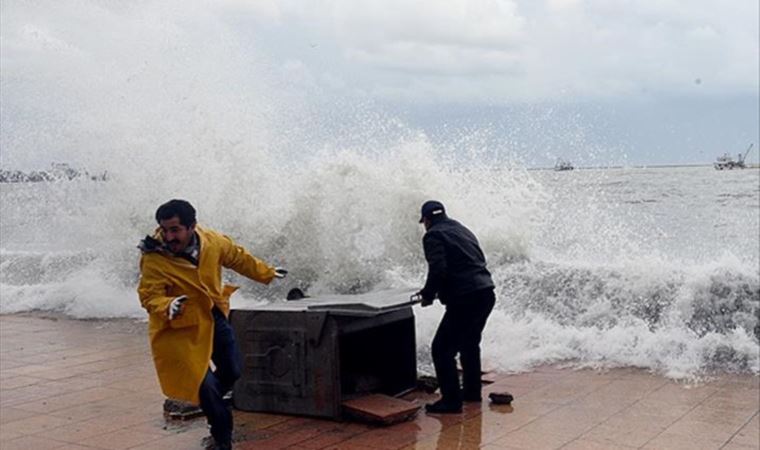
[(457, 275)]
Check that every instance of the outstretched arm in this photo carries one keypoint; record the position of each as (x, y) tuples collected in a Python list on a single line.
[(237, 258)]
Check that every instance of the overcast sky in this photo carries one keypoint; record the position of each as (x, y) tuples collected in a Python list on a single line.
[(648, 82), (515, 50)]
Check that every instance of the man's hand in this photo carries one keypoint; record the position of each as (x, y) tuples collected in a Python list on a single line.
[(176, 307), (279, 272), (418, 297)]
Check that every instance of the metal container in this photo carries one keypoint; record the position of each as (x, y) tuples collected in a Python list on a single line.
[(307, 356)]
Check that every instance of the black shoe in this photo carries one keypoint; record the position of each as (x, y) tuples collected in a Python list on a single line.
[(441, 407), (501, 398), (209, 443)]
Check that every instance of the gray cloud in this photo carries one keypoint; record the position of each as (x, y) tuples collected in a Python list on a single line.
[(527, 51)]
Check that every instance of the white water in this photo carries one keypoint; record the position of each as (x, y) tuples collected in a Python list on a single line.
[(651, 268)]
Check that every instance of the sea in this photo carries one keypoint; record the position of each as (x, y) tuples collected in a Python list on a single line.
[(656, 268)]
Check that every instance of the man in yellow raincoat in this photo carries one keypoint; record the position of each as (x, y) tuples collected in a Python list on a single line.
[(181, 288)]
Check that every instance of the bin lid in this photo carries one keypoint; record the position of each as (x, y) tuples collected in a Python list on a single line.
[(369, 304), (380, 409)]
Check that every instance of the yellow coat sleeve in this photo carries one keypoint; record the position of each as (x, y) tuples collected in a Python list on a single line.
[(238, 259), (152, 289)]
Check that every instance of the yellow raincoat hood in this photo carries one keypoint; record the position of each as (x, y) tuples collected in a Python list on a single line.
[(182, 347)]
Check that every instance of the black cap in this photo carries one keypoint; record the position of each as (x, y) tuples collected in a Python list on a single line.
[(432, 209)]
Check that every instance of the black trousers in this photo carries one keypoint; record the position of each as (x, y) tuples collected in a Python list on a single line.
[(460, 332), (226, 357)]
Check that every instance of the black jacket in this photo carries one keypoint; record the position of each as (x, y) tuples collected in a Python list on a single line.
[(456, 264)]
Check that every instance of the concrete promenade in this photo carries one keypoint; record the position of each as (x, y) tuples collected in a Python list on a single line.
[(70, 384)]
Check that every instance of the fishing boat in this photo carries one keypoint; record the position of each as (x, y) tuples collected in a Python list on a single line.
[(726, 162), (563, 165)]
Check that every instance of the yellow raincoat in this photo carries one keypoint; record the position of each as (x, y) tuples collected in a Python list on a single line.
[(182, 347)]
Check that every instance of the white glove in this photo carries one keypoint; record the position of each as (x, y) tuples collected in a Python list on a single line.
[(175, 307), (279, 272)]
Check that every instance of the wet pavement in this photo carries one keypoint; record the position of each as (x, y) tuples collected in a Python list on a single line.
[(70, 384)]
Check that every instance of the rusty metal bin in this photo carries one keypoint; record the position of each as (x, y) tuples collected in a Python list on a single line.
[(305, 357)]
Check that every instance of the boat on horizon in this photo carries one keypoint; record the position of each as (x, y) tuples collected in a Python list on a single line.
[(561, 165), (726, 162)]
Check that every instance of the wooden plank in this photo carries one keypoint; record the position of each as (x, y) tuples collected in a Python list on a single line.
[(380, 409)]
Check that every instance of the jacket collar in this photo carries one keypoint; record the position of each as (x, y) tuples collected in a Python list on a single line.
[(155, 244), (438, 222)]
